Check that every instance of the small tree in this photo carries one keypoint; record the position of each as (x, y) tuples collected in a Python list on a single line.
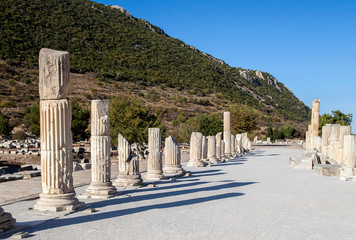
[(132, 119), (337, 117), (5, 129), (80, 121), (32, 118), (243, 118)]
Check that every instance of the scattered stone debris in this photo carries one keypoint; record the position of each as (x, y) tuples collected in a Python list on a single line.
[(20, 235)]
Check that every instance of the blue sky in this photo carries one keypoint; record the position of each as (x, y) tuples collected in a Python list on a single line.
[(310, 46)]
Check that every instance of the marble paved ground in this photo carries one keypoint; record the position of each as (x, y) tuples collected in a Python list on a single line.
[(257, 196)]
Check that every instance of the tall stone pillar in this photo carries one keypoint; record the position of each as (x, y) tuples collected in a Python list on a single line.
[(227, 133), (349, 155), (344, 130), (129, 172), (100, 186), (333, 142), (154, 163), (315, 118), (233, 147), (308, 145), (204, 149), (212, 150), (56, 136), (172, 158), (245, 141), (196, 140), (223, 156), (239, 143), (218, 145), (326, 131), (6, 220)]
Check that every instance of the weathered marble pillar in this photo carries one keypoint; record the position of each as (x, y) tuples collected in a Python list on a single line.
[(223, 156), (212, 150), (245, 141), (204, 149), (333, 142), (100, 186), (269, 140), (172, 158), (6, 220), (233, 147), (227, 134), (56, 136), (344, 130), (218, 145), (255, 139), (154, 162), (129, 172), (239, 147), (315, 119), (349, 151), (326, 131), (308, 139), (196, 140)]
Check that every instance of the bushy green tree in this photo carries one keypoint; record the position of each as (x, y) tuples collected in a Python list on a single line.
[(130, 118), (337, 117), (32, 118), (80, 121), (288, 131), (243, 118), (208, 125), (4, 125)]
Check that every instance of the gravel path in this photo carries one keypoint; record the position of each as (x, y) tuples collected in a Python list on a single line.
[(257, 196)]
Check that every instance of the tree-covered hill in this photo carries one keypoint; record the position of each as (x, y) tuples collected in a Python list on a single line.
[(117, 48)]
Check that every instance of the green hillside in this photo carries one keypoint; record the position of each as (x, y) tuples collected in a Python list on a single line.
[(116, 47)]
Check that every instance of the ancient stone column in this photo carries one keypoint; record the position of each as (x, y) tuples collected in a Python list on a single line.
[(212, 150), (129, 172), (154, 162), (6, 220), (227, 134), (196, 140), (245, 141), (326, 131), (56, 136), (349, 151), (315, 118), (204, 149), (223, 156), (308, 145), (239, 143), (100, 186), (218, 145), (333, 142), (233, 147), (344, 130), (172, 156)]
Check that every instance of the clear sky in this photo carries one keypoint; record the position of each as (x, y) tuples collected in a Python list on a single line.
[(310, 46)]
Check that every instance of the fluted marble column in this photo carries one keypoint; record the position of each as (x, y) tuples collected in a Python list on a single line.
[(218, 145), (129, 172), (101, 185), (154, 163), (349, 151), (227, 134), (333, 142), (326, 131), (196, 150), (204, 149), (172, 157), (212, 150), (56, 137), (6, 220), (315, 119), (245, 141), (239, 147), (233, 147), (344, 130)]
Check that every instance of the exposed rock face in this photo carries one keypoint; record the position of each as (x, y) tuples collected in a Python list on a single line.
[(100, 186), (172, 159), (123, 10)]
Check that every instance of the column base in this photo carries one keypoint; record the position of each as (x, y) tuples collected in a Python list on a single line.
[(195, 163), (58, 202), (128, 180), (173, 171), (154, 176), (100, 190), (213, 160), (6, 221)]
